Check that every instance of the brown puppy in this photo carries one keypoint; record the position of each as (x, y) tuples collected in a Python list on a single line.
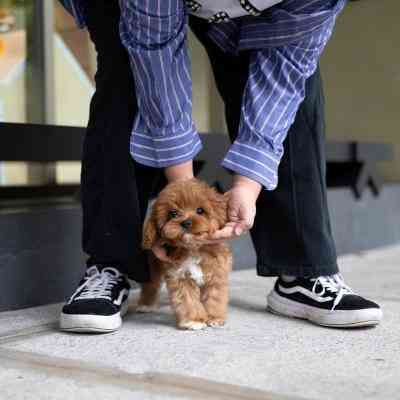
[(196, 274)]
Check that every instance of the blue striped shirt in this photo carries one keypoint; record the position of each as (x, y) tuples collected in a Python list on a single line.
[(286, 42)]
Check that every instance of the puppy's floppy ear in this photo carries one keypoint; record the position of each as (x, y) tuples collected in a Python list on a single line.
[(149, 233)]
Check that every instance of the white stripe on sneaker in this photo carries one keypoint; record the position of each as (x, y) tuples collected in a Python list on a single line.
[(308, 293), (121, 296)]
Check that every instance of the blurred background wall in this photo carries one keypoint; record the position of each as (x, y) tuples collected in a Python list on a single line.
[(361, 70)]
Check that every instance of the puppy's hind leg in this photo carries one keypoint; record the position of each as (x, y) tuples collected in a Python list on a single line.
[(150, 291)]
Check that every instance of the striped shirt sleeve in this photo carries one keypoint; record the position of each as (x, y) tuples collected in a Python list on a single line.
[(274, 92), (155, 33)]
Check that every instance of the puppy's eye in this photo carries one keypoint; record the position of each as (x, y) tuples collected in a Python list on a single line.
[(200, 211), (173, 214)]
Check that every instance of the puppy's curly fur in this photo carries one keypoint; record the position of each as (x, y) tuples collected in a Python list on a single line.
[(196, 275)]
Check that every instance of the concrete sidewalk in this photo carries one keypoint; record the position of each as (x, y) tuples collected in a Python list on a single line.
[(256, 356)]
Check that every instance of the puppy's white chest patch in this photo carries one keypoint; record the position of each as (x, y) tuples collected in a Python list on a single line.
[(192, 267)]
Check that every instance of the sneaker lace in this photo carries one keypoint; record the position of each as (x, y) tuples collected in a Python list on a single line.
[(98, 284), (333, 284)]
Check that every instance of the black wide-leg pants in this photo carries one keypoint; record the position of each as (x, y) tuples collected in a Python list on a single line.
[(292, 232)]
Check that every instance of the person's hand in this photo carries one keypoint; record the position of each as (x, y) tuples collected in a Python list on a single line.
[(241, 208)]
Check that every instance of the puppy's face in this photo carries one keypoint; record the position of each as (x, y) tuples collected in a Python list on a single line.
[(185, 210)]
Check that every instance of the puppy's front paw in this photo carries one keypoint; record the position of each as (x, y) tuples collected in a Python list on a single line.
[(142, 308), (192, 325), (216, 322)]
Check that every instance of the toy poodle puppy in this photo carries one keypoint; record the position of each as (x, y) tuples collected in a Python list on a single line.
[(196, 273)]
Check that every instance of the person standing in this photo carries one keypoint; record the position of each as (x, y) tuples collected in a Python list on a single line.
[(271, 87)]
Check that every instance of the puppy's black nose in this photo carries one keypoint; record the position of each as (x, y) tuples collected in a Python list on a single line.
[(186, 224)]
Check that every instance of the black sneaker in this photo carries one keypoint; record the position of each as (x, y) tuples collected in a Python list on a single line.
[(99, 302), (326, 301)]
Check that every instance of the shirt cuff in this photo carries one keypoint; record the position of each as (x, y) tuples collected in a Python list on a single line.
[(255, 163), (165, 151)]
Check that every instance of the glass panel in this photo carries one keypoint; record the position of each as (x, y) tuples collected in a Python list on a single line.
[(13, 22), (12, 60), (69, 76), (74, 64)]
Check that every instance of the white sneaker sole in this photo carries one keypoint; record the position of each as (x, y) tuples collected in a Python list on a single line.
[(82, 323), (335, 319)]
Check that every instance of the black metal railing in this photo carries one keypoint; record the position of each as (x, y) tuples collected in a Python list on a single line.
[(351, 164)]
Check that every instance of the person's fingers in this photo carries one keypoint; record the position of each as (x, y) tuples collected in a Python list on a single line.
[(246, 220), (241, 228), (225, 233), (233, 209)]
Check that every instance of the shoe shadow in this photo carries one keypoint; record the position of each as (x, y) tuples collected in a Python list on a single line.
[(247, 306), (151, 319), (262, 309)]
